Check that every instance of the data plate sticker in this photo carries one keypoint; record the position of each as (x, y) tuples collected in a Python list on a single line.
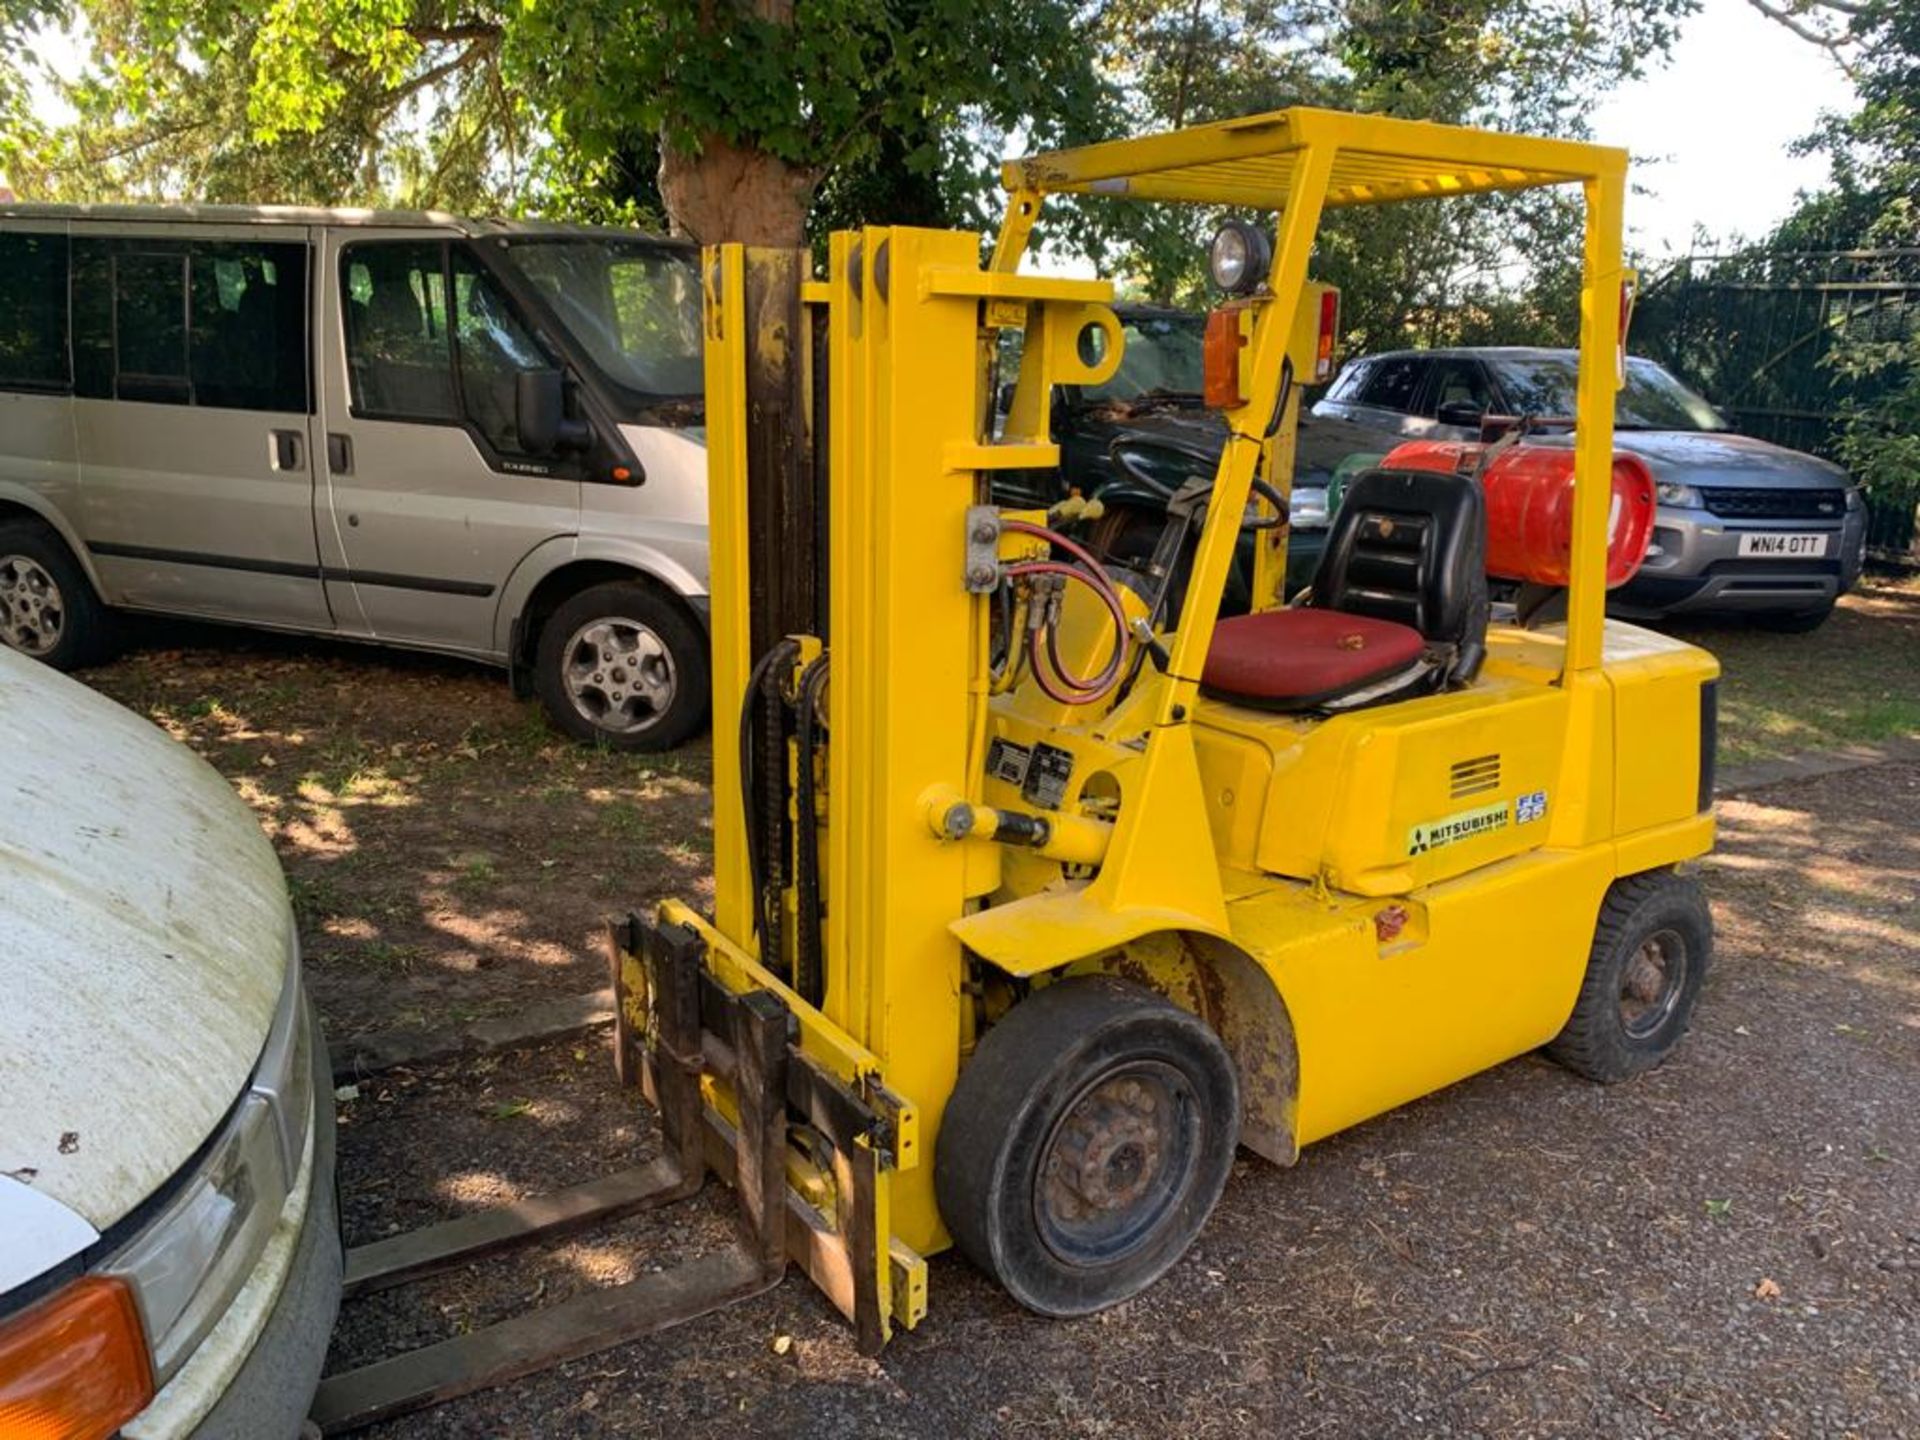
[(1047, 776), (1463, 825), (1759, 545), (1008, 761)]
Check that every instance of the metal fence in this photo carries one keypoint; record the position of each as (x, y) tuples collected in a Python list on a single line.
[(1756, 332)]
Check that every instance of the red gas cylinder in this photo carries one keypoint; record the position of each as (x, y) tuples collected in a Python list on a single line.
[(1529, 490)]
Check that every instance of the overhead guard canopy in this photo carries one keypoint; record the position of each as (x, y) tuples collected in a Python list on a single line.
[(1252, 161)]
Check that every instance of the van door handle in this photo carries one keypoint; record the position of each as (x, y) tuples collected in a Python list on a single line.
[(286, 450), (340, 454)]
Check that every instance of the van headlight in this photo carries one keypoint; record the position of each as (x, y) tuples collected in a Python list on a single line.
[(188, 1263)]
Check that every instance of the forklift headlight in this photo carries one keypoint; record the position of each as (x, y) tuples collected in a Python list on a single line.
[(1239, 257)]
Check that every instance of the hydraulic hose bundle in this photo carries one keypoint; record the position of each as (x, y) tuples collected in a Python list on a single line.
[(1046, 582)]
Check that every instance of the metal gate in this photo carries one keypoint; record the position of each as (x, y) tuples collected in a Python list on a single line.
[(1757, 331)]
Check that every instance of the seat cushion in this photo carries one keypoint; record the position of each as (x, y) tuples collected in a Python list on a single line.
[(1297, 659)]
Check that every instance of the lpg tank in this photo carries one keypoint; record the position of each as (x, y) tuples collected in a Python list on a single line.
[(1529, 493)]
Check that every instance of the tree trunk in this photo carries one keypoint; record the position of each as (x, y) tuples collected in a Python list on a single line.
[(728, 192)]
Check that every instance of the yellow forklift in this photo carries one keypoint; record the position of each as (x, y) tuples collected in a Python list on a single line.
[(1040, 887)]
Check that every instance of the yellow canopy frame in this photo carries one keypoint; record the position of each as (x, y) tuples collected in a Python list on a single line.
[(1301, 162)]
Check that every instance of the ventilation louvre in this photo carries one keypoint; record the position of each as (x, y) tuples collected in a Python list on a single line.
[(1475, 776)]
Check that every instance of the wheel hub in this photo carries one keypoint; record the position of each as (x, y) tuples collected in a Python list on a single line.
[(1651, 982), (1109, 1149), (1116, 1164), (33, 614), (619, 675)]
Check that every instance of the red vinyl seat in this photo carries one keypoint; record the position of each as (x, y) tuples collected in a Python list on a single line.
[(1303, 659), (1398, 605)]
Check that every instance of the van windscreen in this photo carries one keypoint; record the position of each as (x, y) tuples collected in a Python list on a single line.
[(634, 308)]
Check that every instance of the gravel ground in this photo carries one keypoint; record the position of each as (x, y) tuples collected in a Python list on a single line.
[(1728, 1247)]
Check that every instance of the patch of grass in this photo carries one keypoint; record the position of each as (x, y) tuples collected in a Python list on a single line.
[(384, 955), (476, 873), (624, 820), (1853, 681), (314, 898)]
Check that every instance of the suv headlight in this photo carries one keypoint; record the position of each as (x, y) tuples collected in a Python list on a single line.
[(1686, 497), (1856, 499), (190, 1261)]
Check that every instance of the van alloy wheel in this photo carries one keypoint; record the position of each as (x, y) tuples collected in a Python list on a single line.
[(619, 675), (33, 613)]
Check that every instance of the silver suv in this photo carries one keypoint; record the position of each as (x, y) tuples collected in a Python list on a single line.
[(1743, 526), (457, 435)]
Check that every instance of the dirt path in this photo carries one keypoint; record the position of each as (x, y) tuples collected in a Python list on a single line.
[(450, 858), (1728, 1247)]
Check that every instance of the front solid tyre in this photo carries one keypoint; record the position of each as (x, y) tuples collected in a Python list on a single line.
[(48, 608), (1650, 953), (1086, 1143), (619, 664)]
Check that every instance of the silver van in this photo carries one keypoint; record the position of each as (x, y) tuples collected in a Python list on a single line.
[(468, 436), (1744, 527)]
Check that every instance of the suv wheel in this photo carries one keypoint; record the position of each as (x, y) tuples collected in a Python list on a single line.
[(47, 606), (621, 665)]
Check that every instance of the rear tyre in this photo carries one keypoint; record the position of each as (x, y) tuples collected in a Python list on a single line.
[(48, 609), (1650, 954), (1794, 622), (1086, 1143), (621, 665)]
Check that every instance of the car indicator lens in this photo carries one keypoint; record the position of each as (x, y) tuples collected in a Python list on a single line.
[(74, 1366)]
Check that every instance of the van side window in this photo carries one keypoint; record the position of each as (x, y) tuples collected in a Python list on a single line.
[(399, 350), (150, 326), (215, 324), (494, 347), (33, 312), (249, 326)]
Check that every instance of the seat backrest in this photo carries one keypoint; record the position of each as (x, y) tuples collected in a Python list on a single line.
[(1411, 546)]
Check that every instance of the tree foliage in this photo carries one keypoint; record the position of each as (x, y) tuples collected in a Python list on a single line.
[(763, 119), (1872, 203)]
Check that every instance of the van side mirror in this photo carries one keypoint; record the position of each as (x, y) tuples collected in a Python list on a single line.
[(540, 413), (1463, 413)]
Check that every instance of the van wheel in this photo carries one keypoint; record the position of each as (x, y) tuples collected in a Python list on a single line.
[(620, 665), (1793, 622), (47, 606), (1649, 957), (1086, 1143)]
